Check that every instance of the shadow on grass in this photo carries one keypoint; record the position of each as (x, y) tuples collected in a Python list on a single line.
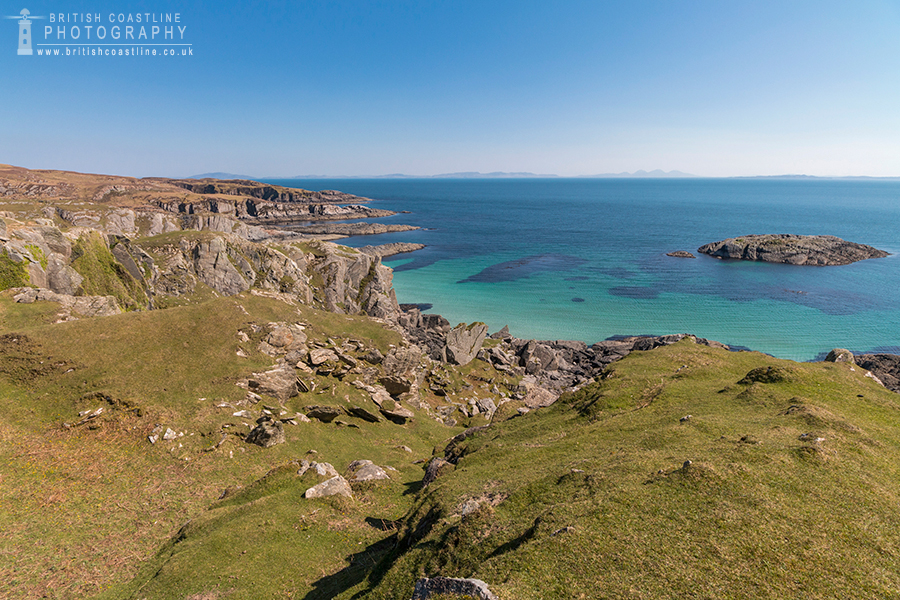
[(361, 565)]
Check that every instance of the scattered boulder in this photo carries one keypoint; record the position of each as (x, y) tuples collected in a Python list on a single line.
[(320, 356), (840, 355), (681, 254), (399, 414), (267, 433), (336, 486), (279, 382), (361, 413), (326, 414), (428, 587), (365, 470), (396, 384)]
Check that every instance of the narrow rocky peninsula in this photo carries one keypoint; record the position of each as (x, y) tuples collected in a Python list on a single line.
[(818, 250)]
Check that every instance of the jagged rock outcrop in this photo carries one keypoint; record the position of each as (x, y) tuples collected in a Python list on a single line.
[(353, 282), (820, 250), (262, 191), (884, 366), (463, 342), (550, 367)]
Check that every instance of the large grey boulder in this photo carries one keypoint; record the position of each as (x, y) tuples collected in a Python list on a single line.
[(464, 342), (336, 486), (279, 382), (61, 278), (366, 470)]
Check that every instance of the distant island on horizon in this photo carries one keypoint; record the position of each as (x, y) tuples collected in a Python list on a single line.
[(640, 174)]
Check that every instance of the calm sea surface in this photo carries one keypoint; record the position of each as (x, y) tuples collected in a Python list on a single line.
[(585, 259)]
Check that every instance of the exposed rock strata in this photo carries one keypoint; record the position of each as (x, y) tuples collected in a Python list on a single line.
[(820, 250), (385, 250), (353, 228)]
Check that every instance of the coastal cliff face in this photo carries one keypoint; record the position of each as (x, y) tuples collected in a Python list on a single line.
[(154, 242), (819, 250), (156, 271)]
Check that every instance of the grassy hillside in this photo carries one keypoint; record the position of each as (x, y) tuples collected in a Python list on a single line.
[(84, 501), (791, 490)]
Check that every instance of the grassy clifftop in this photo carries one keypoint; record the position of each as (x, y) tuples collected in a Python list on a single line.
[(667, 479)]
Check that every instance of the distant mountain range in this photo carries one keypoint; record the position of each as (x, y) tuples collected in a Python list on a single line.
[(657, 173), (642, 174), (460, 175)]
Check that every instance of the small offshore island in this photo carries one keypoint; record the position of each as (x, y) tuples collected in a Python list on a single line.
[(818, 250)]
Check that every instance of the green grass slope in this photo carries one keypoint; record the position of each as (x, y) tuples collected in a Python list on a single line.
[(791, 491), (84, 502)]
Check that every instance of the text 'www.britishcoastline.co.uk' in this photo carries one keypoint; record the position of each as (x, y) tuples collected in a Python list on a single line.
[(115, 34)]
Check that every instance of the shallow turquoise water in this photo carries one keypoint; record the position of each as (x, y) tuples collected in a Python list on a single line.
[(585, 259)]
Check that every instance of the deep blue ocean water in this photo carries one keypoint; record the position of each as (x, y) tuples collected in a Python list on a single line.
[(585, 258)]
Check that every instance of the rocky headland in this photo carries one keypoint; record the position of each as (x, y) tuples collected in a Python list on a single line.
[(818, 250)]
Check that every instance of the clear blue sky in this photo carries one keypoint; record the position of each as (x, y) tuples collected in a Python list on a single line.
[(334, 87)]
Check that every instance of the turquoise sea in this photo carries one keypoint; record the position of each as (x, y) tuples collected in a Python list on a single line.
[(585, 258)]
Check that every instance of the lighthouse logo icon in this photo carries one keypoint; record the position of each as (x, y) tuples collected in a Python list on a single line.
[(25, 34)]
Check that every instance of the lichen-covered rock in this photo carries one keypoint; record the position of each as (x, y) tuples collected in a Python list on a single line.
[(365, 470), (336, 486), (279, 382), (267, 433)]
